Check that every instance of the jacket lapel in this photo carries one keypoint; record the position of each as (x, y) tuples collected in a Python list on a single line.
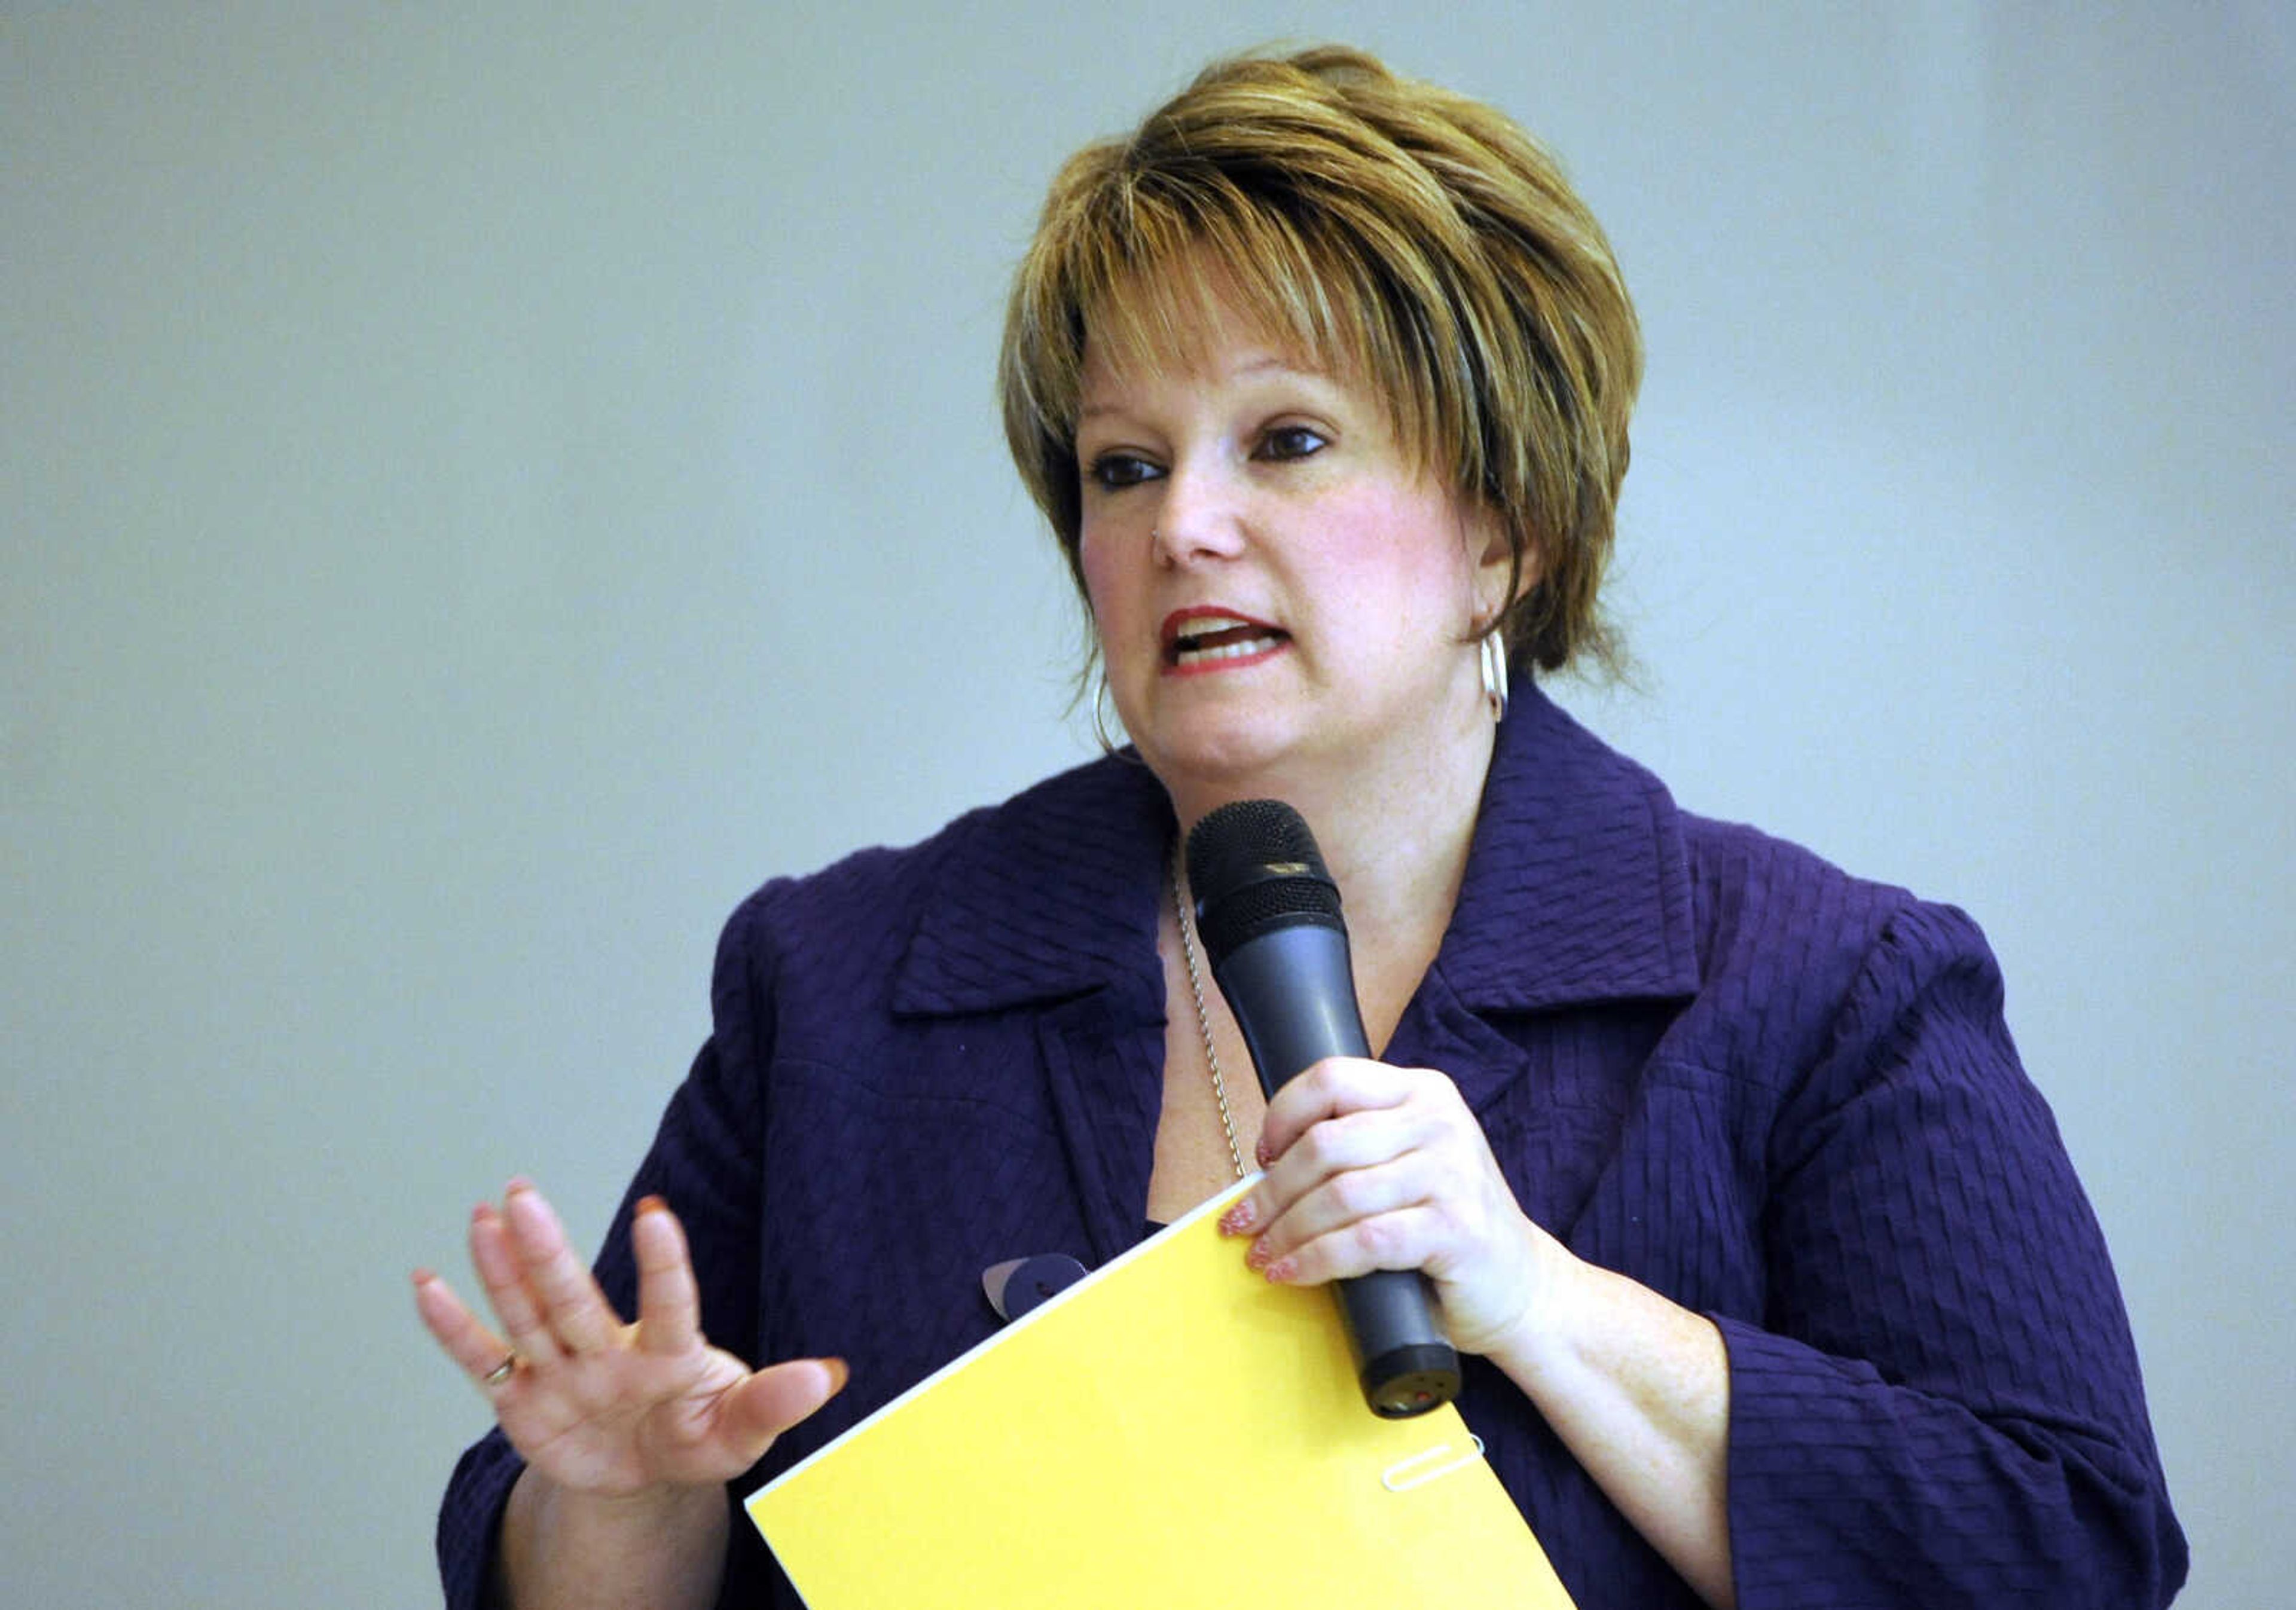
[(1048, 906), (1576, 892)]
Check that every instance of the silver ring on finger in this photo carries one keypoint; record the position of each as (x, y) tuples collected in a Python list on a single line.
[(503, 1371)]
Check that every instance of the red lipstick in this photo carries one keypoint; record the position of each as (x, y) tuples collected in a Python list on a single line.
[(1206, 638)]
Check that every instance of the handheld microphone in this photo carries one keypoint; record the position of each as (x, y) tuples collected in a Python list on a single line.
[(1268, 913)]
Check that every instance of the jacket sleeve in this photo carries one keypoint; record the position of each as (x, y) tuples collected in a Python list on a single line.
[(1942, 1407), (704, 1163)]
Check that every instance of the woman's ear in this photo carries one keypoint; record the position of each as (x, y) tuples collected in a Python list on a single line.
[(1493, 554)]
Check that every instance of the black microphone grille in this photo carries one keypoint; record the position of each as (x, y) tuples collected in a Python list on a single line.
[(1253, 865)]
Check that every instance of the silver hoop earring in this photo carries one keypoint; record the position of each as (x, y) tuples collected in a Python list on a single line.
[(1495, 673), (1108, 744)]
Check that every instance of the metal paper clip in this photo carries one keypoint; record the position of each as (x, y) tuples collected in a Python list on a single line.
[(1404, 1475)]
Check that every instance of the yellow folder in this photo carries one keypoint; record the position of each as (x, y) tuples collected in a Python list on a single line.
[(1171, 1432)]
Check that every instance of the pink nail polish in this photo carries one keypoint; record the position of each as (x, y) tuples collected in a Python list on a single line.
[(1257, 1258), (1237, 1219), (1281, 1270)]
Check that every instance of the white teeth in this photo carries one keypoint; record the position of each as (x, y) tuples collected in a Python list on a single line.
[(1255, 645), (1204, 626)]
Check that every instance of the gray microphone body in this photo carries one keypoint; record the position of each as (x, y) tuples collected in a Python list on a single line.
[(1268, 914)]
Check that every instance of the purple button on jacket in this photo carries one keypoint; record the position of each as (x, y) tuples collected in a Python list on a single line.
[(1778, 1095)]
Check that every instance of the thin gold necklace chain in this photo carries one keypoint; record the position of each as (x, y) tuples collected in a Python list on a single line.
[(1203, 1019)]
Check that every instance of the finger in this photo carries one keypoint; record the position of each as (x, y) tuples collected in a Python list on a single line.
[(1355, 1141), (577, 1312), (1342, 1199), (504, 1278), (670, 1306), (460, 1333), (1329, 1089), (775, 1399), (1357, 1138), (1392, 1240)]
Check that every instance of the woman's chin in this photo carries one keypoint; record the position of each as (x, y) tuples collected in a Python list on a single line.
[(1228, 758)]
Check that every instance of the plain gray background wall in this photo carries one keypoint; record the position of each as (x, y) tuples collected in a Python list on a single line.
[(481, 491)]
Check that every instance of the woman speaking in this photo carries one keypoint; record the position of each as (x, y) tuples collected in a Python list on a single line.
[(1773, 1283)]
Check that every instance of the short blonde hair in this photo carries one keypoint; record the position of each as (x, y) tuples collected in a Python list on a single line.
[(1390, 230)]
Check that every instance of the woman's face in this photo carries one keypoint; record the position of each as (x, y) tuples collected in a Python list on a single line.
[(1274, 582)]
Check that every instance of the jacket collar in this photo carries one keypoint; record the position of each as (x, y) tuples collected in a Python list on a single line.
[(1577, 889), (1053, 894), (1577, 884)]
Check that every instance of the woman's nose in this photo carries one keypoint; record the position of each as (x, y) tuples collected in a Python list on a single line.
[(1201, 517)]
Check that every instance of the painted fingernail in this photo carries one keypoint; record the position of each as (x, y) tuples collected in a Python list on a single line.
[(1261, 1153), (1281, 1270), (652, 1205), (1257, 1258), (1238, 1219), (518, 1182)]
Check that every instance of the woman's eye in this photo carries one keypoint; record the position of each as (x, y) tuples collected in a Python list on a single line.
[(1114, 470), (1290, 442)]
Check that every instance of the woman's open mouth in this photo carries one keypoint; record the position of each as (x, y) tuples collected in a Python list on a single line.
[(1206, 641)]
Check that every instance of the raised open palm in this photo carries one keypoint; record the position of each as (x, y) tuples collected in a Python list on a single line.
[(594, 1404)]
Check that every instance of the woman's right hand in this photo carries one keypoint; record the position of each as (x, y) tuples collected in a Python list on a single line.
[(595, 1405)]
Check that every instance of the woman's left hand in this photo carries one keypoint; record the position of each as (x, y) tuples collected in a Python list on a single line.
[(1370, 1166)]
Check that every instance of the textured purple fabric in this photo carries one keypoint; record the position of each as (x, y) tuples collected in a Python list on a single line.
[(1778, 1095)]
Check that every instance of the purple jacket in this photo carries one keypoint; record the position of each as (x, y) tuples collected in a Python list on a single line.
[(1780, 1096)]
